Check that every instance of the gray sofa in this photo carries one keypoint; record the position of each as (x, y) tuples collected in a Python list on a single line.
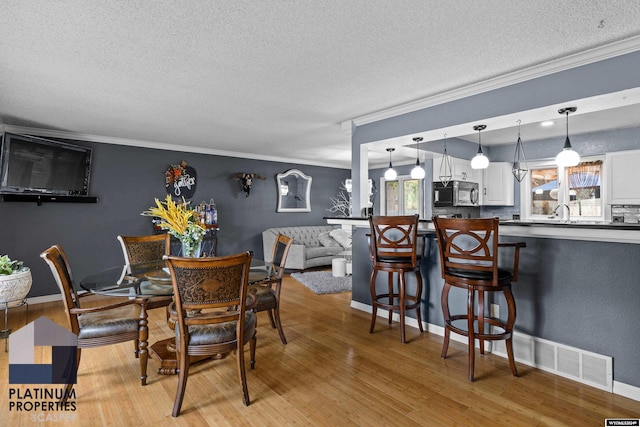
[(307, 249)]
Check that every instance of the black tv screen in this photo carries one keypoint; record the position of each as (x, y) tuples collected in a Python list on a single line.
[(32, 165)]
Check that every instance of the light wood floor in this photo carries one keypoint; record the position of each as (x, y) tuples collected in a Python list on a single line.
[(332, 373)]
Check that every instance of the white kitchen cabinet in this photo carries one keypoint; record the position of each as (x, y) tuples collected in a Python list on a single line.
[(460, 170), (622, 175), (497, 186)]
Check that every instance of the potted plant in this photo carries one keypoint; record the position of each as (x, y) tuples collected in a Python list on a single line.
[(181, 222), (15, 281)]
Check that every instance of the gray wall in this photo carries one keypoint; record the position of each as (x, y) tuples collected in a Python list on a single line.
[(575, 293), (562, 295), (126, 180)]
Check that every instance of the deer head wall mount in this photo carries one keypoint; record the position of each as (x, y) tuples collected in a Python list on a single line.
[(246, 180)]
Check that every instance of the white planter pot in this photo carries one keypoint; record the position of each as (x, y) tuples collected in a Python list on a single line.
[(15, 287)]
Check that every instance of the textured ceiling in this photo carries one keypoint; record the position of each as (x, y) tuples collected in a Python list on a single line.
[(270, 79)]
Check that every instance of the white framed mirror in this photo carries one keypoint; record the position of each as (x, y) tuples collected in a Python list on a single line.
[(294, 191)]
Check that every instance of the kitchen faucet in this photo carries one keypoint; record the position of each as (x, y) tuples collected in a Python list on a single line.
[(555, 211)]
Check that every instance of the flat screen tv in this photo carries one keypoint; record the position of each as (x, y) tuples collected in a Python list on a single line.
[(31, 165)]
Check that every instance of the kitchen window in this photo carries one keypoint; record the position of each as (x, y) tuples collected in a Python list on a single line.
[(402, 196), (542, 190)]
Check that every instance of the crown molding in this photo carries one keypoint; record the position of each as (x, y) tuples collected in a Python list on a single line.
[(590, 56), (161, 146)]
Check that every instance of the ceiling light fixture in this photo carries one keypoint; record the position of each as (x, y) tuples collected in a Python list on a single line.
[(480, 161), (567, 157), (418, 171), (390, 174), (519, 168), (445, 165)]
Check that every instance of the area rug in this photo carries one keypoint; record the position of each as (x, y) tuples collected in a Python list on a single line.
[(322, 282)]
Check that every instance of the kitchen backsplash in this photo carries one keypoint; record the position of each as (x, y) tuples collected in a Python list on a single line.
[(502, 212), (462, 212), (625, 213)]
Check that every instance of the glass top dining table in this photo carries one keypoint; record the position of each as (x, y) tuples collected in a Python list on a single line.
[(153, 279)]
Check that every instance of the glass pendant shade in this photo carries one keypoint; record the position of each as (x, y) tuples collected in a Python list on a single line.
[(390, 174), (480, 161), (567, 157), (418, 171), (519, 168)]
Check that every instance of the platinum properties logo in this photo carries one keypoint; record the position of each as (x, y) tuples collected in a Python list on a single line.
[(44, 403)]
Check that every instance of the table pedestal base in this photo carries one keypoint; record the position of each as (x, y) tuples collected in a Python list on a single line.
[(165, 353)]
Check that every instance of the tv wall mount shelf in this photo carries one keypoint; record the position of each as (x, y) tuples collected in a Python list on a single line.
[(42, 198)]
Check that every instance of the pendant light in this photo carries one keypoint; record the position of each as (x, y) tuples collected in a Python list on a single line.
[(480, 161), (445, 166), (567, 157), (519, 168), (390, 174), (417, 172)]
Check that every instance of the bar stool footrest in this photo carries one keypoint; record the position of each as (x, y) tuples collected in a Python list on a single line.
[(495, 336)]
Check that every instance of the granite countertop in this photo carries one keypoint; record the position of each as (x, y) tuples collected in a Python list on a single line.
[(534, 223), (603, 231), (572, 224)]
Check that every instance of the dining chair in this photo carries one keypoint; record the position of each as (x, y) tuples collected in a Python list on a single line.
[(268, 291), (393, 249), (99, 325), (210, 303), (147, 250), (469, 260)]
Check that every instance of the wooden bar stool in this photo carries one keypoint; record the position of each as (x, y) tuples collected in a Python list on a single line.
[(393, 249), (469, 259)]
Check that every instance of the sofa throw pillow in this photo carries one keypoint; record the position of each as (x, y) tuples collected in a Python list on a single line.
[(341, 236), (327, 241)]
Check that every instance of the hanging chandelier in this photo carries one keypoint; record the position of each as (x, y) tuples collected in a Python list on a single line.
[(445, 166), (418, 171), (519, 168), (480, 161)]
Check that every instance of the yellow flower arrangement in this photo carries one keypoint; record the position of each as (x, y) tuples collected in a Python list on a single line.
[(179, 221)]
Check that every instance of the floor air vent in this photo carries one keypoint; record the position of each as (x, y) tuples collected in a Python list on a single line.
[(588, 368)]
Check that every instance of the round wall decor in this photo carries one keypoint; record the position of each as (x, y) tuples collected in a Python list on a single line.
[(180, 180)]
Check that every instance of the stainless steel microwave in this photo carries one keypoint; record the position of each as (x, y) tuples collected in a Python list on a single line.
[(456, 193)]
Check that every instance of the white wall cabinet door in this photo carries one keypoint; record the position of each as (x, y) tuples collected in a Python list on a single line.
[(473, 175), (622, 174), (497, 185), (460, 170)]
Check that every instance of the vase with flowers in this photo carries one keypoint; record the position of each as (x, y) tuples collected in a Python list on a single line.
[(181, 222)]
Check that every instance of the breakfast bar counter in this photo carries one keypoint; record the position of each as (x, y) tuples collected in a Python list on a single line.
[(600, 231), (577, 289)]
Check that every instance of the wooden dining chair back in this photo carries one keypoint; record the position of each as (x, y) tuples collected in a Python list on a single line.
[(393, 248), (99, 325), (268, 291), (469, 259), (147, 250), (210, 302)]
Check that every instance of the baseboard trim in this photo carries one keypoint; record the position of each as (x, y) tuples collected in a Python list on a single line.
[(626, 390), (618, 388)]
